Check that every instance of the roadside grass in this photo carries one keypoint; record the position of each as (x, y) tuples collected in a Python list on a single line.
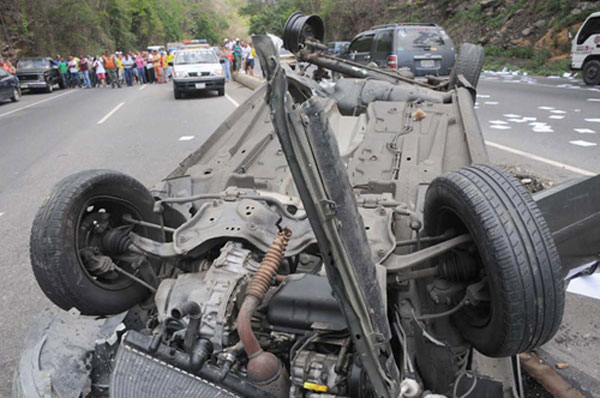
[(524, 59)]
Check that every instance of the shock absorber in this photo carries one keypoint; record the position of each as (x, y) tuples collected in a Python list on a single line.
[(264, 368)]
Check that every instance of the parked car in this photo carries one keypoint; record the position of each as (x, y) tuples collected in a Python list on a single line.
[(197, 69), (424, 49), (9, 86), (585, 53), (337, 47), (38, 73)]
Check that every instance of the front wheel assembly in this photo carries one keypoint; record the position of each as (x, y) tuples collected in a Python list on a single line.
[(519, 264), (79, 242)]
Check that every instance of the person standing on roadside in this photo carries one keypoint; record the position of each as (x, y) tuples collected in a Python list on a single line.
[(139, 64), (170, 61), (150, 68), (62, 68), (84, 68), (100, 71), (156, 61), (127, 63), (165, 66), (237, 55), (224, 59), (73, 73), (250, 60), (110, 65)]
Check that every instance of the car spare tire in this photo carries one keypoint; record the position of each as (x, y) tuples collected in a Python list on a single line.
[(469, 63), (519, 262), (70, 222)]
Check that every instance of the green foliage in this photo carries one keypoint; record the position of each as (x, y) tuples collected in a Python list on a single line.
[(270, 17), (88, 27)]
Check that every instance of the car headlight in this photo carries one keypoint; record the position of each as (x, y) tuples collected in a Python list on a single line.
[(41, 77), (180, 74)]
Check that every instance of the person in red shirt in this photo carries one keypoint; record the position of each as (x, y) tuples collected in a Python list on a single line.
[(84, 69)]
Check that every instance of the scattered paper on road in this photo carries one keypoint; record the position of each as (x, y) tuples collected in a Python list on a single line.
[(186, 138), (545, 108), (491, 103), (500, 127), (593, 120), (511, 115), (556, 117), (498, 122), (585, 131), (583, 143), (593, 99), (557, 111), (586, 286), (483, 96)]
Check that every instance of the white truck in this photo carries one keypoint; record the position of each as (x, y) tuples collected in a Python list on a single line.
[(585, 50)]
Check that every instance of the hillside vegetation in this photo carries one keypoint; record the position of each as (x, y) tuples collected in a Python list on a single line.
[(50, 27), (532, 35)]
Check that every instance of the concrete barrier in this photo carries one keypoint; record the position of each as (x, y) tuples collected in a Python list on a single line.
[(249, 81)]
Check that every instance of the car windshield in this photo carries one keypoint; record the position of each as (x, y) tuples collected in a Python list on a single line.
[(196, 57), (32, 64), (420, 37)]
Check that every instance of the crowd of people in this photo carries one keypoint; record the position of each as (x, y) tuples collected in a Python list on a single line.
[(116, 69), (238, 55), (142, 67)]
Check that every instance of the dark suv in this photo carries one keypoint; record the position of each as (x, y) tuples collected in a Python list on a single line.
[(38, 73), (424, 49)]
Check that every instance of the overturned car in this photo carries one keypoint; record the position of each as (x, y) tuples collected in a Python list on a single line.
[(338, 239)]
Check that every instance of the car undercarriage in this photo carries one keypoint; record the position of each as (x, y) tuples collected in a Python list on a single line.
[(343, 238)]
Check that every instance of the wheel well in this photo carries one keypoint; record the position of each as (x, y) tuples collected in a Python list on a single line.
[(590, 58)]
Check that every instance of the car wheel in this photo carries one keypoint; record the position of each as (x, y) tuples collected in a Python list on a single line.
[(468, 63), (16, 97), (591, 72), (221, 92), (518, 263), (72, 221), (177, 93)]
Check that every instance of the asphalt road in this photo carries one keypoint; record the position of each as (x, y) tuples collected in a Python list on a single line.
[(144, 132)]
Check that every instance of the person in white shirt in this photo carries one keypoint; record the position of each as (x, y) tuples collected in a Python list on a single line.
[(100, 71)]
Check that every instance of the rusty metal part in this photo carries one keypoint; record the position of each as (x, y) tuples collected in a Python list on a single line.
[(548, 377), (264, 368), (268, 267)]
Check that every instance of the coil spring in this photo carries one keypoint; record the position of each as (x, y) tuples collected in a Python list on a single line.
[(268, 267)]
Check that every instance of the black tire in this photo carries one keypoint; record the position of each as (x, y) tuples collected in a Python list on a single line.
[(221, 92), (517, 254), (468, 63), (591, 72), (57, 238), (16, 97), (176, 93)]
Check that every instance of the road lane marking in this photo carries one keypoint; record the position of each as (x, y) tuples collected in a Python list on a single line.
[(35, 103), (540, 159), (143, 87), (109, 114), (582, 143), (186, 138), (234, 102)]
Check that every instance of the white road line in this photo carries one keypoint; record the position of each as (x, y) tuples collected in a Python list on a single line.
[(143, 87), (540, 159), (109, 114), (234, 102), (35, 103)]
